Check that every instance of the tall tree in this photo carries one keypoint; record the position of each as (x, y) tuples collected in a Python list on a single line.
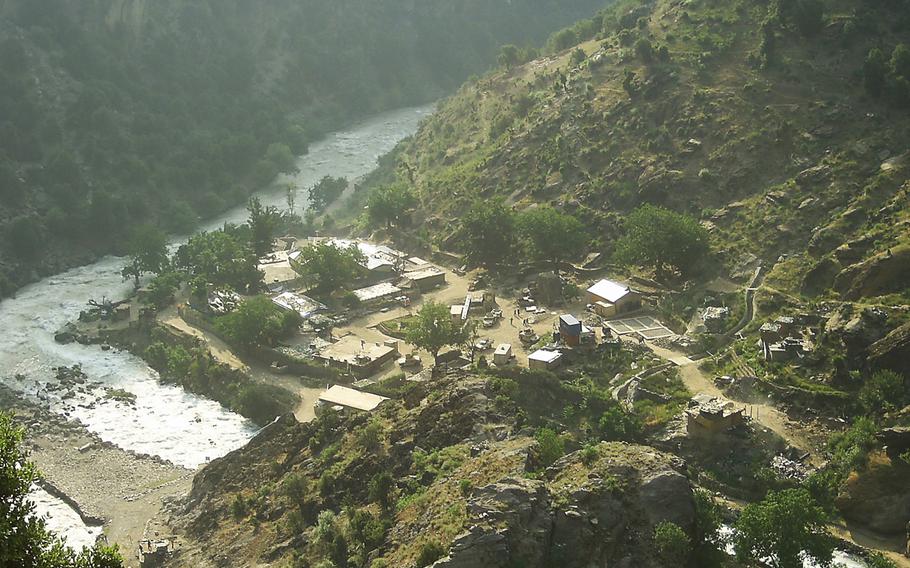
[(325, 192), (25, 541), (263, 223), (388, 203), (433, 328), (487, 232), (147, 250), (552, 235), (782, 528), (221, 258), (328, 267), (657, 237), (258, 321)]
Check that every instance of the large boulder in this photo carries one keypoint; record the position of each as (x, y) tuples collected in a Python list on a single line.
[(599, 513), (820, 277), (884, 273), (892, 352), (879, 496)]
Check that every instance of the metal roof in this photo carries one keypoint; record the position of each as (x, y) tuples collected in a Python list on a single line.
[(351, 398), (380, 290), (544, 355), (609, 290)]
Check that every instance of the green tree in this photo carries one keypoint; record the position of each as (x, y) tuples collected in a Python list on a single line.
[(550, 446), (433, 328), (509, 56), (671, 544), (487, 232), (381, 489), (875, 72), (900, 61), (221, 258), (883, 392), (282, 158), (553, 236), (388, 203), (325, 192), (161, 289), (657, 237), (263, 223), (328, 267), (781, 528), (25, 541), (578, 55), (616, 424), (147, 251), (644, 49), (257, 322)]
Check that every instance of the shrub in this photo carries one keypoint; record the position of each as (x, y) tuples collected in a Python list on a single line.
[(589, 454), (430, 552), (550, 446), (671, 544)]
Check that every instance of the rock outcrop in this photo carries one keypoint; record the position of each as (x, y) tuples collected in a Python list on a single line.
[(892, 351), (884, 273), (596, 514)]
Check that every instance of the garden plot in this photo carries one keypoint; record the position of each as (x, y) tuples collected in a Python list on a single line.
[(642, 326)]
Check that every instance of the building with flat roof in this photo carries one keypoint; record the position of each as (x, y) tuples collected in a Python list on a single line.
[(377, 292), (349, 398), (612, 298), (303, 305), (427, 278), (359, 357), (711, 414), (544, 359)]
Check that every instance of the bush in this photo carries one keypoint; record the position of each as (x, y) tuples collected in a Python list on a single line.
[(550, 447), (671, 544), (430, 552), (883, 392), (589, 454), (644, 50)]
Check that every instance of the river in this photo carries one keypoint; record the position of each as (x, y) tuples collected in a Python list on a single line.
[(165, 421)]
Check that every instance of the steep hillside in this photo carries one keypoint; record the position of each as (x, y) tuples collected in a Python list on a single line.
[(167, 111), (450, 478), (781, 126)]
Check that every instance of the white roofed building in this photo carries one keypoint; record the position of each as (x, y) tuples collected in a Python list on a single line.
[(349, 398), (612, 298)]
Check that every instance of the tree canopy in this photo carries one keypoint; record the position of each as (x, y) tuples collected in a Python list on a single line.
[(781, 528), (552, 235), (487, 232), (325, 192), (221, 258), (388, 203), (663, 239), (25, 541), (263, 223), (258, 322), (328, 267), (147, 250), (433, 328)]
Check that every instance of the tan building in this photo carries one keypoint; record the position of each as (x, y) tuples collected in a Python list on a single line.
[(348, 398), (611, 298), (710, 414)]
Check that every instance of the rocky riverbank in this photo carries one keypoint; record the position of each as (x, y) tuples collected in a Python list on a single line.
[(121, 489)]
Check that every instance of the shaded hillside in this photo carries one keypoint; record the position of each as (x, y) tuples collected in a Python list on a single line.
[(169, 111), (450, 478), (779, 125)]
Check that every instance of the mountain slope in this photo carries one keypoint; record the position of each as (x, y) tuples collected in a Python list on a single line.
[(165, 111), (752, 117)]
